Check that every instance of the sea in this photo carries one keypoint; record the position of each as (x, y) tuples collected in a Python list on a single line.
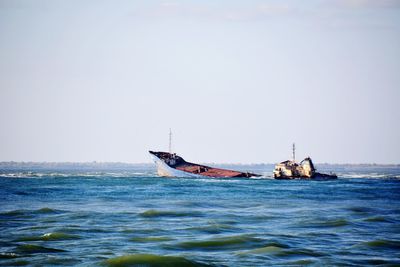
[(114, 214)]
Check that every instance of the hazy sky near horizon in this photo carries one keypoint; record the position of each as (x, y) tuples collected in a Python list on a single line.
[(237, 81)]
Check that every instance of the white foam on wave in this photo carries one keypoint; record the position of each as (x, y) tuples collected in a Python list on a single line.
[(74, 175), (369, 176), (30, 175), (263, 177)]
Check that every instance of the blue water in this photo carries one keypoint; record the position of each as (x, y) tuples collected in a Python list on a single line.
[(91, 216)]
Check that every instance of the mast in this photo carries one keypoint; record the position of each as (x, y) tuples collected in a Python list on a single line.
[(170, 141), (294, 152)]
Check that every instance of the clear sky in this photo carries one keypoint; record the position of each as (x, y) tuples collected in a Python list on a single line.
[(237, 81)]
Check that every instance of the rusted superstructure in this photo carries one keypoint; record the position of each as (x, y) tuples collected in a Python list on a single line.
[(290, 169), (170, 164)]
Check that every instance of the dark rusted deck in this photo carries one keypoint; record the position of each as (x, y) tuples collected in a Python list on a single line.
[(177, 162)]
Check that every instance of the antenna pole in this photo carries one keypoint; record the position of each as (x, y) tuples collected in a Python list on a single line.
[(294, 152), (170, 141)]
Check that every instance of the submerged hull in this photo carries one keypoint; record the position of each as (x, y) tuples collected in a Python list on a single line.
[(171, 165), (314, 176), (164, 170), (318, 176)]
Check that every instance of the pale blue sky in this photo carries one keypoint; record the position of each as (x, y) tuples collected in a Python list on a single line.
[(237, 81)]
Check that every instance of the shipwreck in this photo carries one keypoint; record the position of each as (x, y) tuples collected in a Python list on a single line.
[(290, 169), (171, 165)]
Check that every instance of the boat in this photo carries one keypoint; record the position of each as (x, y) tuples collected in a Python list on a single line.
[(171, 165), (290, 169)]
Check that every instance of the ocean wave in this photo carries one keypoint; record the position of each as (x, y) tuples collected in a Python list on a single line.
[(151, 260), (377, 219), (151, 239), (229, 242), (387, 244), (281, 251), (33, 175), (213, 228), (300, 252), (49, 237), (303, 262), (75, 174), (330, 223), (262, 177), (166, 213), (21, 212), (369, 176), (8, 255), (226, 179), (47, 210), (55, 261), (30, 249), (263, 250), (360, 210), (267, 248)]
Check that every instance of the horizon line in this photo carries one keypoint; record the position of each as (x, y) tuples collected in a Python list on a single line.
[(223, 163)]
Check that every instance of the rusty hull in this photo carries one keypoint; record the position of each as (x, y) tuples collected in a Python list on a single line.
[(178, 163)]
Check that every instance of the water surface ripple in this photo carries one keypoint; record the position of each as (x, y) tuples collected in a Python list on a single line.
[(131, 217)]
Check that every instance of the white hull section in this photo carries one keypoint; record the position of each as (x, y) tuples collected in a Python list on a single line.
[(166, 171)]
